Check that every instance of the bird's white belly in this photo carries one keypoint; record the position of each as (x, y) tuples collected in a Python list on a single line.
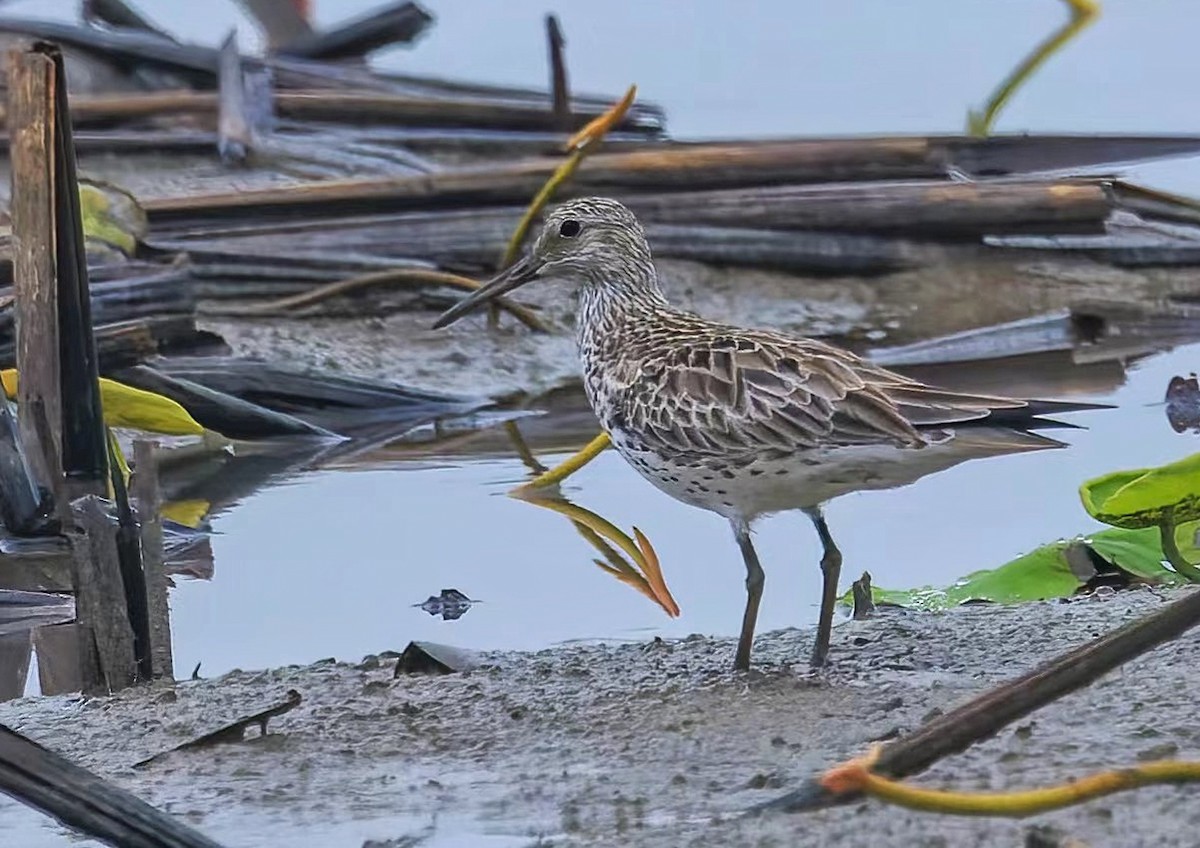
[(806, 478)]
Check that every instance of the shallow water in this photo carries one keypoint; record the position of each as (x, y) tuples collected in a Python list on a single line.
[(330, 564)]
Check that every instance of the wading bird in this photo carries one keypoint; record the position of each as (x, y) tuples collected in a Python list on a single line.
[(747, 422)]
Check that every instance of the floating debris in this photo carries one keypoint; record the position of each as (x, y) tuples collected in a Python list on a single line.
[(432, 658), (1183, 404), (451, 605)]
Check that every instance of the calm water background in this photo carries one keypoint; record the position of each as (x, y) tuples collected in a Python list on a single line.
[(329, 565)]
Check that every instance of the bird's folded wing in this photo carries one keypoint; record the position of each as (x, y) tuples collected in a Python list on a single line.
[(739, 395)]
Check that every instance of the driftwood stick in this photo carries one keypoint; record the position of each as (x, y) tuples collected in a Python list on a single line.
[(234, 731), (148, 498), (986, 715), (86, 802)]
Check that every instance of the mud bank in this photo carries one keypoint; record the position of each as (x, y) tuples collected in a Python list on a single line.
[(652, 744), (959, 292)]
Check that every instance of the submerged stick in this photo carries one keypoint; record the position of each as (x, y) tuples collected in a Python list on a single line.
[(986, 715)]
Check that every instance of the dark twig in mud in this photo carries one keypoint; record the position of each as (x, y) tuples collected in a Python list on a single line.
[(984, 716), (84, 801), (860, 591), (235, 731), (397, 276), (559, 91)]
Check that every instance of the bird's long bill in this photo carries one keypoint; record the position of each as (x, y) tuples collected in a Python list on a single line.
[(517, 274)]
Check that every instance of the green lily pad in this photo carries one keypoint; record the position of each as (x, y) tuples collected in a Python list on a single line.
[(1146, 497), (1056, 570)]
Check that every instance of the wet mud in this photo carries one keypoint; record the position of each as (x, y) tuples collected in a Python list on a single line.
[(653, 744)]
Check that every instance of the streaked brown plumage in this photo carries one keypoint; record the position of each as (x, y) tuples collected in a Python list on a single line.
[(748, 422)]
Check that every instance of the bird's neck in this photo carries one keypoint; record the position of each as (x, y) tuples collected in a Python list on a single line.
[(609, 306)]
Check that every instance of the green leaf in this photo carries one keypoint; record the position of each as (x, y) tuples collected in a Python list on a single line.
[(1056, 570), (1146, 497)]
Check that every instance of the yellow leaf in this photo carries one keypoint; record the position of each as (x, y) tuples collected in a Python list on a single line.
[(135, 409)]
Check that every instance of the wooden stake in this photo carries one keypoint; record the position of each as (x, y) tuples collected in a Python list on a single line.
[(31, 116), (107, 661), (148, 498)]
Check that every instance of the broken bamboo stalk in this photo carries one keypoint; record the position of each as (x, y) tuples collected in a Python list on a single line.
[(56, 349), (31, 80), (148, 498), (58, 360), (333, 105), (756, 181), (107, 659)]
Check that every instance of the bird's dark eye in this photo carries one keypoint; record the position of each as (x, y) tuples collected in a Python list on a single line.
[(570, 228)]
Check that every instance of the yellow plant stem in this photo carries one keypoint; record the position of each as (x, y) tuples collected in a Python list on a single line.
[(579, 146), (856, 776), (567, 467), (1083, 12)]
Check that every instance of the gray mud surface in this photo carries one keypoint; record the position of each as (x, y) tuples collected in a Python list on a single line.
[(958, 292), (652, 744)]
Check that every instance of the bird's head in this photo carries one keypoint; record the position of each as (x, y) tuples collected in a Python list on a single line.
[(593, 241)]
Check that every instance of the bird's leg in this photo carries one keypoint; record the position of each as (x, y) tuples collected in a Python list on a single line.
[(1083, 12), (754, 587), (831, 569)]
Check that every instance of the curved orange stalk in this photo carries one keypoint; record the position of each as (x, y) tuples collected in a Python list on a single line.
[(653, 572), (596, 128), (640, 552), (856, 776)]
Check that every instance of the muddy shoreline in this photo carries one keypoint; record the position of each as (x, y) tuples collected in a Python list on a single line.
[(654, 744)]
